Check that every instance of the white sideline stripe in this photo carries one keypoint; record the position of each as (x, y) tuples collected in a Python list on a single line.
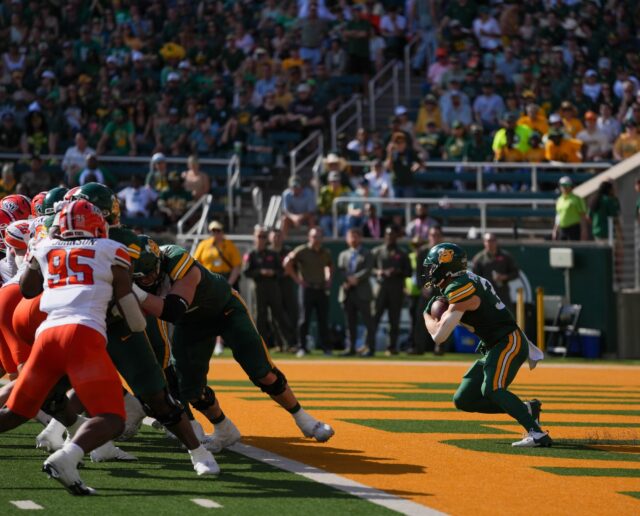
[(376, 496), (206, 503), (366, 362), (27, 505)]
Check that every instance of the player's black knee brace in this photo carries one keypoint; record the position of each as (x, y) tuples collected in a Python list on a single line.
[(55, 404), (207, 399), (276, 388), (172, 416)]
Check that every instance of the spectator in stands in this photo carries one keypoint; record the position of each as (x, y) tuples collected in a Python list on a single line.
[(196, 181), (37, 179), (498, 266), (421, 224), (298, 206), (432, 142), (328, 193), (361, 146), (335, 163), (488, 107), (561, 149), (403, 123), (303, 113), (429, 112), (171, 136), (521, 134), (534, 119), (357, 33), (10, 134), (313, 31), (372, 226), (157, 176), (571, 214), (572, 124), (136, 199), (8, 181), (75, 158), (536, 152), (354, 268), (118, 136), (37, 138), (219, 254), (479, 145), (393, 27), (402, 162), (486, 29), (91, 172), (456, 148), (355, 209), (628, 143), (604, 206), (174, 202), (438, 68), (380, 182), (202, 139), (260, 147), (311, 267), (454, 107), (336, 59), (595, 145), (509, 152)]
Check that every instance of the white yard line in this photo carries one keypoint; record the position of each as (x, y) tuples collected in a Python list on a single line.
[(27, 505), (376, 496), (206, 503)]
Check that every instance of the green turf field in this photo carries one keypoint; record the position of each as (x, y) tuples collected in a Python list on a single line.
[(163, 482)]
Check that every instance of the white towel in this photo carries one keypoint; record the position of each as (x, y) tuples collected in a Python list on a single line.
[(535, 355)]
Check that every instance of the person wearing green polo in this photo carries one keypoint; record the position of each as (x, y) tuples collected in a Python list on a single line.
[(604, 206), (571, 214)]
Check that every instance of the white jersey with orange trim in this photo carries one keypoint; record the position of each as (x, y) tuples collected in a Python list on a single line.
[(8, 267), (16, 277), (78, 279)]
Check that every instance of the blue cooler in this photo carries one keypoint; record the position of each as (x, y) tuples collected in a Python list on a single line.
[(590, 342), (464, 341)]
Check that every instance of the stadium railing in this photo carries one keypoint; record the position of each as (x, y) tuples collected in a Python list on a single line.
[(386, 79), (306, 152), (351, 114)]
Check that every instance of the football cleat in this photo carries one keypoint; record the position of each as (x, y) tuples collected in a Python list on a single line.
[(52, 437), (135, 415), (109, 451), (534, 407), (203, 462), (199, 431), (317, 430), (225, 435), (533, 439), (62, 467)]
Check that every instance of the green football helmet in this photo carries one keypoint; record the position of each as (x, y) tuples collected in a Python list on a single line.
[(103, 197), (53, 196), (147, 264), (444, 261)]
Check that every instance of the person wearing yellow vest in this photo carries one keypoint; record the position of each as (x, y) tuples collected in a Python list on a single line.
[(571, 214), (413, 289)]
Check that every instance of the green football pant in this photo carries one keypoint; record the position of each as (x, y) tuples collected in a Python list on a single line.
[(484, 386), (193, 343), (134, 359)]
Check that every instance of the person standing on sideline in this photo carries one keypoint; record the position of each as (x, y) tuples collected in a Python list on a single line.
[(422, 340), (571, 214), (355, 264), (289, 289), (498, 266), (413, 289), (391, 266), (219, 255), (311, 267), (264, 267)]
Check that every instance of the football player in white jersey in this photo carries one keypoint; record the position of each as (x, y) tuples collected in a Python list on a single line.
[(80, 272)]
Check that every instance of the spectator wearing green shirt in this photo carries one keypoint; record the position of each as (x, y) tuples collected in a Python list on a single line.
[(172, 136), (457, 146), (605, 205), (357, 33), (118, 136), (175, 200), (571, 214)]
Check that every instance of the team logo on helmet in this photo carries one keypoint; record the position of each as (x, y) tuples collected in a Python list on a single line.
[(445, 256), (152, 248)]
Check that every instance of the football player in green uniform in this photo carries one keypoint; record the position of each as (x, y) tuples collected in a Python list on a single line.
[(474, 303), (132, 352), (202, 306)]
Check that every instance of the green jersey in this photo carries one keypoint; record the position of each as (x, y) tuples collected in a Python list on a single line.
[(491, 321), (127, 238), (212, 293)]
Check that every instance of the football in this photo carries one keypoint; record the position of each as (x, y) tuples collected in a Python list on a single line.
[(438, 307)]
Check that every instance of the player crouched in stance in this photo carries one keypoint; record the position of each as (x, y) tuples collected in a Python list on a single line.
[(472, 301), (79, 272), (173, 286)]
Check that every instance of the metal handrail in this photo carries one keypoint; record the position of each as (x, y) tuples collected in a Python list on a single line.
[(316, 170), (108, 158), (407, 68), (376, 92), (354, 102), (233, 180), (257, 199), (318, 151), (409, 201)]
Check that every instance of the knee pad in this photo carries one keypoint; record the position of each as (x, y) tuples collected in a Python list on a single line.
[(276, 388), (55, 404), (207, 399), (172, 416)]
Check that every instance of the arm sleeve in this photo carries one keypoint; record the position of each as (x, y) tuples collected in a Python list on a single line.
[(181, 266)]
